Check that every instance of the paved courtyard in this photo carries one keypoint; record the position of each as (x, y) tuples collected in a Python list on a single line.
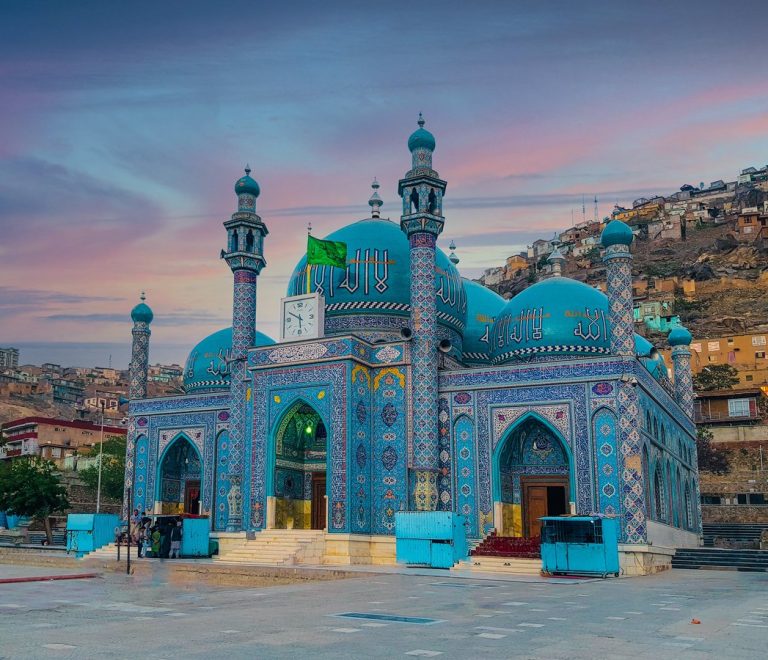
[(120, 617)]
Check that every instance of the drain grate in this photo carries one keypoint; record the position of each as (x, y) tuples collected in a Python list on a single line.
[(394, 618), (461, 585)]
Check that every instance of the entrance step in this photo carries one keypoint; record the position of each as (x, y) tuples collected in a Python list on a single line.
[(721, 559), (505, 565), (508, 546), (281, 547)]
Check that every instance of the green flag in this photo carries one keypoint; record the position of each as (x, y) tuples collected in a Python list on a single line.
[(326, 253)]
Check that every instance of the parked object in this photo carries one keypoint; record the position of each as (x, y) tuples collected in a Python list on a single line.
[(430, 538), (87, 532), (580, 545)]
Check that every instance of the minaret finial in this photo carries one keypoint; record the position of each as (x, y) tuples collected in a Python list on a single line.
[(309, 227), (143, 296), (452, 256), (421, 120), (247, 169), (375, 201)]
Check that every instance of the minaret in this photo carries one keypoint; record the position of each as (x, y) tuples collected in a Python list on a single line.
[(680, 341), (558, 262), (244, 255), (422, 221), (142, 316), (616, 239)]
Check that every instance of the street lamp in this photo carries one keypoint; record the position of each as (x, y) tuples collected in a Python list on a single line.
[(101, 455)]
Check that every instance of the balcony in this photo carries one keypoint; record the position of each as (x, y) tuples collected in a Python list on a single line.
[(715, 417)]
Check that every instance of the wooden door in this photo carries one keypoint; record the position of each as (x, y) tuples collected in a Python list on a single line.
[(318, 501), (192, 496), (536, 507)]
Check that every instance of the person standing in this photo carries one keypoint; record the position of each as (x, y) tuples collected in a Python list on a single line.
[(176, 540)]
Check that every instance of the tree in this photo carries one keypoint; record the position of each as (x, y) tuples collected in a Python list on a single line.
[(711, 459), (716, 377), (112, 470), (31, 487)]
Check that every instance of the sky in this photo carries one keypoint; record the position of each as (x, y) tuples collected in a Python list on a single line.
[(123, 127)]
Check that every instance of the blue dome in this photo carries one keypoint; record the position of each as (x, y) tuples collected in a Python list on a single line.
[(558, 316), (679, 336), (421, 138), (655, 365), (483, 306), (207, 367), (616, 232), (142, 313), (376, 283), (248, 185)]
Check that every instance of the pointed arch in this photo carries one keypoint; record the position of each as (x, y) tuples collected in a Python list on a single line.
[(532, 475), (180, 482), (298, 458)]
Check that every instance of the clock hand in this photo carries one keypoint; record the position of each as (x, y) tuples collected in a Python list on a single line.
[(296, 316)]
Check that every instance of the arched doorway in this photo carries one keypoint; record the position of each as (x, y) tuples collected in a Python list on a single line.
[(180, 485), (299, 484), (531, 479)]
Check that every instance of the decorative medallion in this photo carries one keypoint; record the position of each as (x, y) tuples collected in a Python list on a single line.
[(361, 456), (361, 412), (462, 398), (606, 449), (389, 457), (389, 414), (602, 389), (142, 421), (223, 416), (387, 354), (609, 490)]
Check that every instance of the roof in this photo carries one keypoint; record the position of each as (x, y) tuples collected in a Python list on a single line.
[(727, 394), (52, 421)]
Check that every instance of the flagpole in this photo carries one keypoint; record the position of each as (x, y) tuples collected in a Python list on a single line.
[(309, 266)]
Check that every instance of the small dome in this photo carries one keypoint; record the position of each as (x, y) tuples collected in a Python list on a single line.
[(421, 138), (651, 359), (483, 306), (142, 312), (246, 184), (616, 233), (679, 336), (207, 367)]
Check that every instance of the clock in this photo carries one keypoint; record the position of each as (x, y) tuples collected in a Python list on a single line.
[(302, 317)]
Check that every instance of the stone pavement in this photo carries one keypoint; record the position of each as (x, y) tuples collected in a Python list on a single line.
[(119, 616)]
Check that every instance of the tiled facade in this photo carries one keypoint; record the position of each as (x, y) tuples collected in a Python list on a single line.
[(408, 426)]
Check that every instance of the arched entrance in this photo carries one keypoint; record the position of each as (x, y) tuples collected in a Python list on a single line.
[(531, 479), (299, 483), (180, 478)]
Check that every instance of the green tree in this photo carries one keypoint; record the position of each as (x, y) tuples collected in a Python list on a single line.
[(31, 487), (711, 459), (112, 470), (716, 377)]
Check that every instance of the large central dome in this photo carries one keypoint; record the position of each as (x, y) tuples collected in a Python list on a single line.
[(373, 293)]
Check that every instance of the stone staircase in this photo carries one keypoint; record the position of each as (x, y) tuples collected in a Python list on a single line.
[(721, 559), (277, 547), (738, 533)]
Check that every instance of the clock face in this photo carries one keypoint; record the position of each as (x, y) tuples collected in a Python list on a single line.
[(300, 318)]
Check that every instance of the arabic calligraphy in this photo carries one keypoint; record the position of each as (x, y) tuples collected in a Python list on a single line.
[(595, 326), (219, 365)]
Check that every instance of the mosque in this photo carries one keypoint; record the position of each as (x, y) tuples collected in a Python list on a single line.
[(398, 385)]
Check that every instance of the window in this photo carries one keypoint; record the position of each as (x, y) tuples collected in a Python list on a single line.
[(748, 378), (731, 357), (758, 340), (711, 499), (712, 358), (696, 347), (730, 340), (738, 408), (760, 355), (713, 345)]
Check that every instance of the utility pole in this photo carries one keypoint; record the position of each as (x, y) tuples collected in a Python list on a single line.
[(101, 456)]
